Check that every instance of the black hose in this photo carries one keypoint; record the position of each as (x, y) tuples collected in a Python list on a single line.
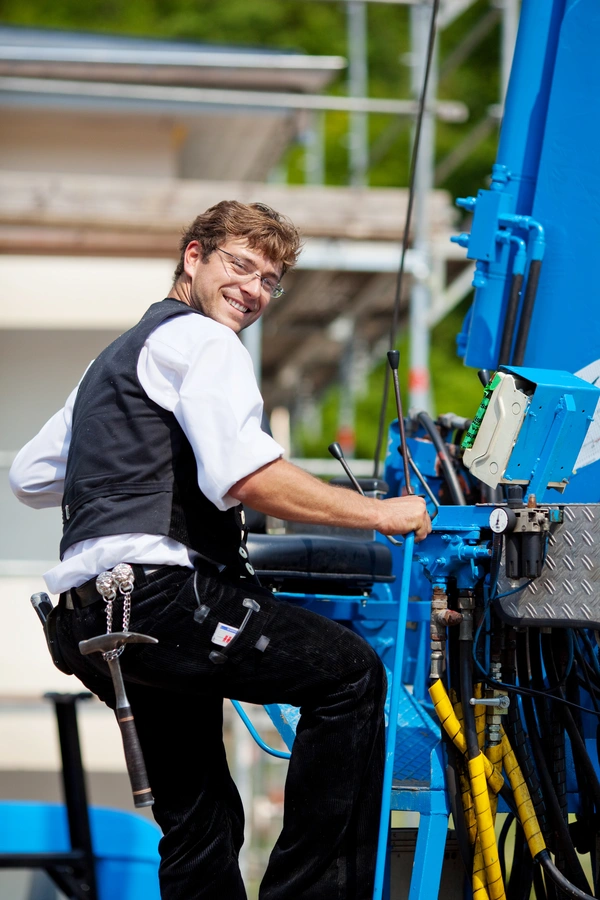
[(543, 857), (496, 559), (542, 891), (450, 477), (466, 692), (563, 838), (588, 644), (510, 818), (521, 876), (550, 724), (523, 753), (578, 747), (458, 812), (533, 278), (510, 319), (590, 673)]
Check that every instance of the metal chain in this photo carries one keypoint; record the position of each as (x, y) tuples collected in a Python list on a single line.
[(107, 583), (123, 576)]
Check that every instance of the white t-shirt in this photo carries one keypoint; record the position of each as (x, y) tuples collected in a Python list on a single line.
[(199, 370)]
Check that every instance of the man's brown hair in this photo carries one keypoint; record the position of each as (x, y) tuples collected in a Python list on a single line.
[(265, 230)]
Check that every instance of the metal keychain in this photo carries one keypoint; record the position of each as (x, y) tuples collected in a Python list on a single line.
[(120, 579)]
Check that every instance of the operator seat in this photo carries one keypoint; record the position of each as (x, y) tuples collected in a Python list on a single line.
[(320, 560)]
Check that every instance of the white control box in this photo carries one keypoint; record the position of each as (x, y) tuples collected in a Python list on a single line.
[(488, 458)]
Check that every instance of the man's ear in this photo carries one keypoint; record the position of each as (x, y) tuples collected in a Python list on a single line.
[(192, 257)]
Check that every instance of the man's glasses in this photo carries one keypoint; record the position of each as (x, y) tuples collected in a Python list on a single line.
[(243, 272)]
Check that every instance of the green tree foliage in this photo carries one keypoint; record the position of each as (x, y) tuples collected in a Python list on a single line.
[(319, 27)]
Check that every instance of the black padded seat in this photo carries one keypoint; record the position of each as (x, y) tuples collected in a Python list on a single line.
[(304, 563)]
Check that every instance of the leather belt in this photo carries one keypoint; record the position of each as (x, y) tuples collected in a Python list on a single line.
[(86, 593)]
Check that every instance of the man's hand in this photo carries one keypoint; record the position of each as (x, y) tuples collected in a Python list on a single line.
[(400, 515)]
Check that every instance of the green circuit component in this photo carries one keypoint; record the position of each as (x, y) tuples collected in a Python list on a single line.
[(469, 438)]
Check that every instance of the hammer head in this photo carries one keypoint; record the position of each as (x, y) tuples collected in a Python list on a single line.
[(105, 642)]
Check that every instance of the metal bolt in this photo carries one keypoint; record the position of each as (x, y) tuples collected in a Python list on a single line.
[(502, 702)]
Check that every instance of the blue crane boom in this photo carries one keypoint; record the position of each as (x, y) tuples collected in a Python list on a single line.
[(544, 192)]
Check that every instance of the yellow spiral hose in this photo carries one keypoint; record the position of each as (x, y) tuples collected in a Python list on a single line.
[(485, 827), (452, 727), (479, 881), (525, 807)]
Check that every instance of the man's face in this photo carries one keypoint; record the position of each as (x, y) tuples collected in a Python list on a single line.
[(221, 289)]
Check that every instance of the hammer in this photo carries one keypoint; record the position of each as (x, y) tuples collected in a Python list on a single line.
[(109, 645)]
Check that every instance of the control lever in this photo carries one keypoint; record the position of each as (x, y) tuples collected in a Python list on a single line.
[(409, 463), (337, 453)]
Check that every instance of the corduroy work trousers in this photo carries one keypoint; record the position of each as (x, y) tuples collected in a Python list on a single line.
[(326, 850)]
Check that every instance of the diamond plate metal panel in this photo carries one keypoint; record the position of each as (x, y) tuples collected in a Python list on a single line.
[(567, 594)]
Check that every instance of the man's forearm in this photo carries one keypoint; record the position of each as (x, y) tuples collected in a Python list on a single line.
[(282, 490)]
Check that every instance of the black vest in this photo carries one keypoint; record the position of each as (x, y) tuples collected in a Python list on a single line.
[(130, 467)]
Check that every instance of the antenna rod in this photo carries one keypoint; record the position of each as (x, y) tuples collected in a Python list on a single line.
[(394, 361)]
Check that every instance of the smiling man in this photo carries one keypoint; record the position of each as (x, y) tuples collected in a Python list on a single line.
[(150, 459)]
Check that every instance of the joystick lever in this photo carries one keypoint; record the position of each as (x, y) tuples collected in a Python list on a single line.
[(337, 453), (409, 463)]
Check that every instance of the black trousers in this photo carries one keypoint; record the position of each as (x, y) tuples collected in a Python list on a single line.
[(326, 850)]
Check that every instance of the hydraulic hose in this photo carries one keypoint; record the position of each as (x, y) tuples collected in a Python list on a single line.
[(480, 713), (521, 873), (494, 754), (452, 727), (542, 891), (577, 742), (559, 879), (469, 810), (495, 563), (479, 788), (518, 742), (485, 827), (560, 826), (530, 825), (552, 732), (561, 829), (533, 278), (525, 808), (510, 818), (461, 804), (450, 477), (550, 724), (466, 692), (479, 877), (520, 886), (510, 319)]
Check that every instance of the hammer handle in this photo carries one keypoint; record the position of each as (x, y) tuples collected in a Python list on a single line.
[(140, 786)]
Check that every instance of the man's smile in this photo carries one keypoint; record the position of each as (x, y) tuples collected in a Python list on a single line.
[(237, 305)]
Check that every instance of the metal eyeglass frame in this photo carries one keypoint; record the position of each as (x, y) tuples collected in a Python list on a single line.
[(274, 292)]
